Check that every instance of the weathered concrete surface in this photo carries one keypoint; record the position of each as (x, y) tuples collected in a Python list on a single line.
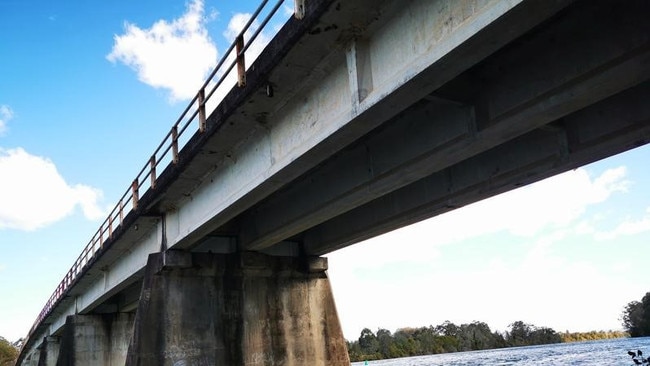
[(32, 359), (236, 309), (100, 340), (49, 351)]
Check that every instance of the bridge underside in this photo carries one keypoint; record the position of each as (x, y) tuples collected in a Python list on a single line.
[(570, 91), (382, 115)]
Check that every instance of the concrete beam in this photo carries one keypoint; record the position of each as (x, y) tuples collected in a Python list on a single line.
[(566, 65), (614, 125), (304, 128)]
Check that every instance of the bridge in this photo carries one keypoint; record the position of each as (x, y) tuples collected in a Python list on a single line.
[(359, 117)]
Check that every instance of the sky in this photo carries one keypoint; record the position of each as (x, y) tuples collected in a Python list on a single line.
[(89, 89)]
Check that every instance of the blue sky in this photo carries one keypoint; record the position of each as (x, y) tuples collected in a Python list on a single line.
[(88, 90)]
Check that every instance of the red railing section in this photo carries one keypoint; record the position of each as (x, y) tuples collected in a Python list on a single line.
[(167, 150)]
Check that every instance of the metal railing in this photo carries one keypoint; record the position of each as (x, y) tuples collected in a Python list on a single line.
[(167, 150)]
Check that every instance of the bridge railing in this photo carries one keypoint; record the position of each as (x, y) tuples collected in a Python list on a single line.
[(167, 151)]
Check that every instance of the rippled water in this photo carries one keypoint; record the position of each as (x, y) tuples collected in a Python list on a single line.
[(605, 352)]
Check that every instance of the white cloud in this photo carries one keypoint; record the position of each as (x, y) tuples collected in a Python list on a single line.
[(175, 55), (33, 194), (552, 203), (626, 228), (541, 289), (538, 284), (6, 114), (236, 25)]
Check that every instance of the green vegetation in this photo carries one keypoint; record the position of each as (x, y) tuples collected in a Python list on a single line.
[(446, 337), (449, 337), (592, 336), (8, 353), (636, 317)]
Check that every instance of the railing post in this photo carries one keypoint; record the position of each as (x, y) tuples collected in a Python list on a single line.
[(121, 204), (134, 193), (175, 144), (241, 61), (202, 120), (110, 225), (299, 9), (152, 163)]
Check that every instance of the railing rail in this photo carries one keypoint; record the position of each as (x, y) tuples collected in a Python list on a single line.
[(128, 202)]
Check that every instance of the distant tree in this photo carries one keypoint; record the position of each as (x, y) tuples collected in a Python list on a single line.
[(522, 334), (519, 334), (448, 329), (633, 318), (498, 340), (428, 339), (443, 338), (8, 353), (645, 315), (354, 351), (384, 341), (406, 343), (591, 336), (476, 336), (544, 335), (368, 343)]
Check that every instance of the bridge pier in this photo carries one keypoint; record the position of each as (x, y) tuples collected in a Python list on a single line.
[(49, 351), (236, 309), (33, 359), (95, 340)]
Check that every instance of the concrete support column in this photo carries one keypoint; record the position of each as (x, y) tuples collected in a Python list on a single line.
[(236, 309), (49, 351), (95, 340), (32, 360)]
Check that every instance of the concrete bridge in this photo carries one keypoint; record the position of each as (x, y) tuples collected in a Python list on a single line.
[(359, 117)]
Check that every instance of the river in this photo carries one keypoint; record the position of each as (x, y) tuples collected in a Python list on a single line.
[(603, 352)]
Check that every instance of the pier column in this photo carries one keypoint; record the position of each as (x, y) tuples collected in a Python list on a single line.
[(95, 340), (33, 359), (49, 351), (236, 309)]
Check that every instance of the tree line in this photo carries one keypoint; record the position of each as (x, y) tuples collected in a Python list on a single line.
[(592, 336), (636, 317), (8, 352), (449, 337)]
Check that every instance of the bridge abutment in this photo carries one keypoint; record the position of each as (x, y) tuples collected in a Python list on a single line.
[(236, 309), (95, 340)]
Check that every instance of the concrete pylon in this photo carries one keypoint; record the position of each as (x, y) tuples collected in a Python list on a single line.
[(236, 309), (49, 351), (33, 359), (95, 340)]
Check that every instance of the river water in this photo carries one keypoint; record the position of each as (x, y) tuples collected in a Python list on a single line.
[(604, 352)]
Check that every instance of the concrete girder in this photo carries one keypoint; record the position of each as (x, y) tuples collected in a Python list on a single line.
[(517, 90), (616, 124), (321, 119)]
